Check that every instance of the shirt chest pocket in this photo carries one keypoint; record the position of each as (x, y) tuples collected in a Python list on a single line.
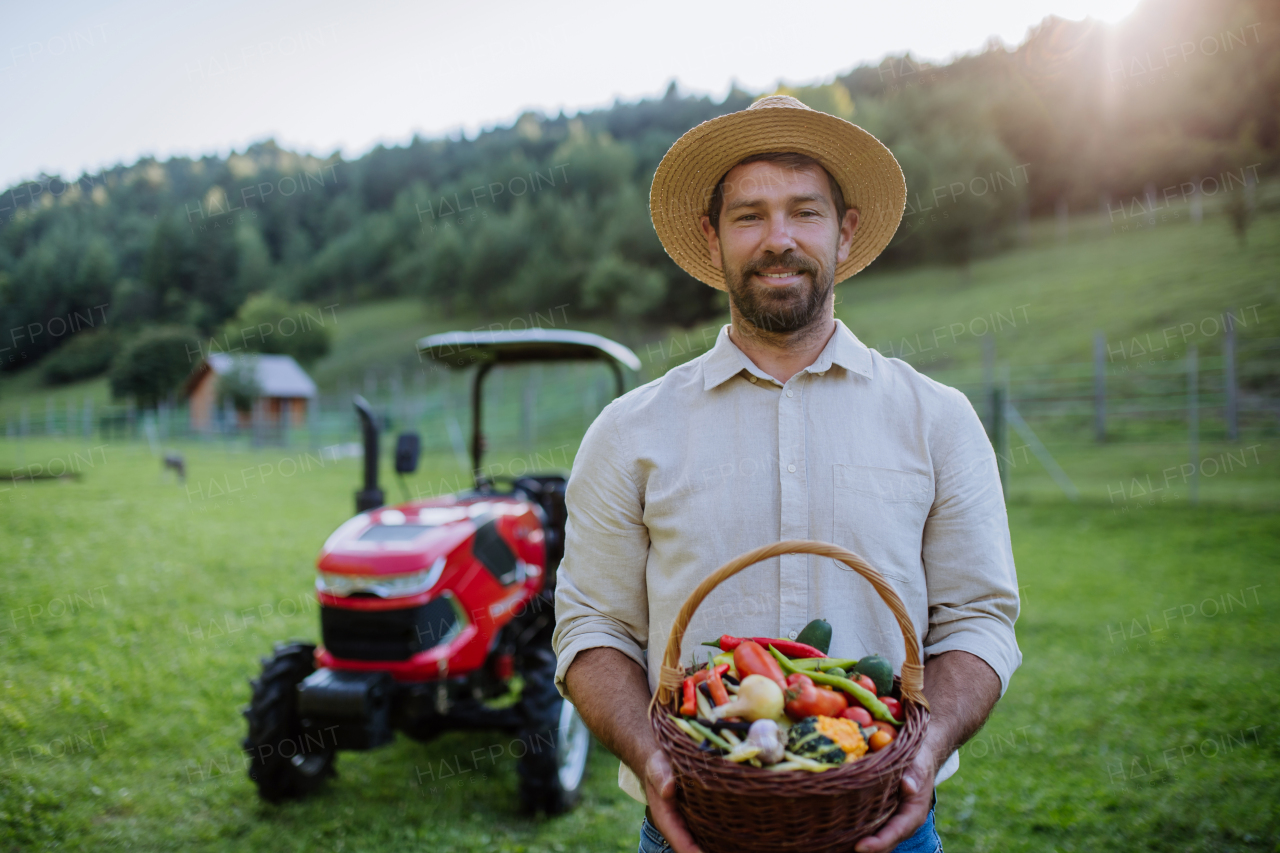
[(880, 515)]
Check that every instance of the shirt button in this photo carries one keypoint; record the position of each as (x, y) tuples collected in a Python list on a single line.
[(793, 635), (792, 469), (790, 393), (751, 379)]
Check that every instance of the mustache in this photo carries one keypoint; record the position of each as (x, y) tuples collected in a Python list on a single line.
[(790, 260)]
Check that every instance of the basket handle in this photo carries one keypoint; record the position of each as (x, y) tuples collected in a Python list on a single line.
[(671, 675)]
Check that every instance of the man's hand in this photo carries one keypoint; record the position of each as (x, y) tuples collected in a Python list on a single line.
[(660, 791), (913, 808), (611, 693), (961, 689)]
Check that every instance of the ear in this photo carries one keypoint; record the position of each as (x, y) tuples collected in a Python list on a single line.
[(848, 228), (713, 242)]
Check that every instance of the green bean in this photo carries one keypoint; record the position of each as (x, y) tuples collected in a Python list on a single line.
[(810, 664), (853, 688), (709, 735)]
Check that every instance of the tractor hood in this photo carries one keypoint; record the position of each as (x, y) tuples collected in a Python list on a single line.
[(414, 536)]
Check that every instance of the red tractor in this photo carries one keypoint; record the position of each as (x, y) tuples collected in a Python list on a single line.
[(431, 610)]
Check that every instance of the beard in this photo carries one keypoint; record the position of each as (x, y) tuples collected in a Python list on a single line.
[(775, 309)]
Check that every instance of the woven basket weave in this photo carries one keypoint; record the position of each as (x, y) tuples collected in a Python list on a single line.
[(737, 808)]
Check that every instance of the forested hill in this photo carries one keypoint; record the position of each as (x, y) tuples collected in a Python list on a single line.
[(553, 210)]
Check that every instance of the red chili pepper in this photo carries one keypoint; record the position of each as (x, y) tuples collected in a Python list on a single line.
[(690, 706), (719, 696), (790, 648), (702, 674), (751, 659), (728, 643)]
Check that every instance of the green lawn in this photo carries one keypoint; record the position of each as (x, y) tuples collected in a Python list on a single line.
[(136, 609)]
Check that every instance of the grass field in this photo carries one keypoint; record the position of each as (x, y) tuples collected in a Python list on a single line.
[(133, 610), (1143, 717)]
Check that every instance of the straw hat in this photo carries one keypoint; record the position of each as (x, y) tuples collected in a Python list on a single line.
[(687, 176)]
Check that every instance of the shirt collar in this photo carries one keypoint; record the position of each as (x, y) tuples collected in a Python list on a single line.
[(725, 360)]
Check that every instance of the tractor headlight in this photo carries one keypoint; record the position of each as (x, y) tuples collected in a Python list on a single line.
[(385, 586)]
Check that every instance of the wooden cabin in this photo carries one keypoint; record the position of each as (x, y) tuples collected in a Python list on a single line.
[(285, 390)]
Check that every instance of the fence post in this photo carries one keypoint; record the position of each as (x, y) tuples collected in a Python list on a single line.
[(1229, 375), (1060, 211), (989, 379), (1099, 387), (1193, 419), (998, 441), (1000, 429)]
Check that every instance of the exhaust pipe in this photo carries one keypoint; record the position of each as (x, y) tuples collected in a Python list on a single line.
[(370, 497)]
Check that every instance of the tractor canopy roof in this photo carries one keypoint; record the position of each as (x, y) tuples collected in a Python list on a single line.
[(464, 349)]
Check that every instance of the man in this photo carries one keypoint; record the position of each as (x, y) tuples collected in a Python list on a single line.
[(788, 428)]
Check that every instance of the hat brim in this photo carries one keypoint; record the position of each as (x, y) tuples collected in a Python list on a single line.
[(866, 170)]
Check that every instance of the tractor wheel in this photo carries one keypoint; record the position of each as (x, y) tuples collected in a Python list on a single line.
[(556, 741), (281, 762)]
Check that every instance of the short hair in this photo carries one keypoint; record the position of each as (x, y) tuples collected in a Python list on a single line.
[(790, 159)]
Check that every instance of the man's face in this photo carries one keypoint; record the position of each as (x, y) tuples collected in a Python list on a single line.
[(779, 243)]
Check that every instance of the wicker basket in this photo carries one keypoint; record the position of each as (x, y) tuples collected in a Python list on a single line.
[(737, 808)]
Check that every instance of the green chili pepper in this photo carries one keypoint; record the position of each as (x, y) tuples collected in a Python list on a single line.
[(837, 663), (710, 735), (857, 691), (823, 664)]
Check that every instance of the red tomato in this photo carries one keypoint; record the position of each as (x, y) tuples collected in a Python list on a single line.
[(866, 682), (886, 727), (859, 715), (894, 706)]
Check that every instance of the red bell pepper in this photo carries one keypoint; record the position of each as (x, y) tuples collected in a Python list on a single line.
[(790, 648), (751, 659)]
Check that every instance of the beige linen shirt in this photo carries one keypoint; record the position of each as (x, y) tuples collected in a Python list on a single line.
[(716, 457)]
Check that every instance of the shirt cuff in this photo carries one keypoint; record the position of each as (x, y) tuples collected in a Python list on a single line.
[(592, 640), (1002, 658)]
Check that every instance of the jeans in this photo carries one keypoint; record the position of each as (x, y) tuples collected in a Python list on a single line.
[(924, 840)]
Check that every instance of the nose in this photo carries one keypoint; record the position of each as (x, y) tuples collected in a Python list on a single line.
[(779, 239)]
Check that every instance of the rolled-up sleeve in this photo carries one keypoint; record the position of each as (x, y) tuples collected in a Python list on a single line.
[(601, 594), (968, 557)]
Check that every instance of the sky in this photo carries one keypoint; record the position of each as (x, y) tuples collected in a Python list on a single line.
[(87, 85)]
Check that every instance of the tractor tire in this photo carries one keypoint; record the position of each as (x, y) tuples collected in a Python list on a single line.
[(282, 764), (556, 742)]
